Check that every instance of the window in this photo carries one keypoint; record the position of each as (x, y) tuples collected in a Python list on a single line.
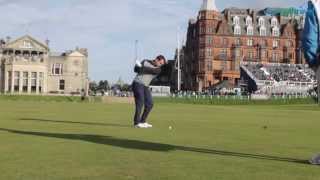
[(225, 42), (9, 80), (210, 40), (16, 81), (274, 22), (202, 52), (250, 42), (275, 31), (275, 57), (289, 44), (237, 52), (275, 43), (209, 65), (40, 81), (57, 69), (27, 44), (238, 42), (236, 20), (25, 82), (263, 54), (250, 55), (209, 52), (237, 30), (250, 30), (248, 20), (33, 81), (61, 85), (223, 54), (261, 21), (263, 31)]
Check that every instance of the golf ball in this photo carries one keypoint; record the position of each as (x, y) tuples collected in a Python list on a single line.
[(170, 128)]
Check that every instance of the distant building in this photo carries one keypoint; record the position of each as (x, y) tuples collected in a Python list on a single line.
[(217, 42), (29, 67)]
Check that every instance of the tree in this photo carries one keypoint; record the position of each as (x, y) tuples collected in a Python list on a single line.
[(125, 87), (93, 87), (104, 85)]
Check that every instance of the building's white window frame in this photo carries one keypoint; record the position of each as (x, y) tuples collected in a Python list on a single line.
[(249, 20), (263, 31), (261, 21), (250, 42), (59, 67), (275, 43), (237, 30), (250, 30), (274, 22), (275, 31), (236, 20)]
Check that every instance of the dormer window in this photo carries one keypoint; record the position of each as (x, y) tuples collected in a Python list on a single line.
[(274, 22), (261, 22), (237, 30), (248, 21), (236, 20), (27, 45), (250, 30), (275, 31), (263, 31)]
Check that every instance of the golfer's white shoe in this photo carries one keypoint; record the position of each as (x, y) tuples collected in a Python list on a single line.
[(315, 160), (147, 125), (140, 125)]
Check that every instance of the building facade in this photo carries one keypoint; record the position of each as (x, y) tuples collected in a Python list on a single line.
[(29, 67), (217, 43)]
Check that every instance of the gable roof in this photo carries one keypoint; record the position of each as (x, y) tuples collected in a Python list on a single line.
[(27, 37)]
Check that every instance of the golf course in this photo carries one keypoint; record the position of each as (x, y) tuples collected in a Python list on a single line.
[(96, 141)]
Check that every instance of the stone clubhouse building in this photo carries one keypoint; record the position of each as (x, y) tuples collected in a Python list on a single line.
[(27, 66)]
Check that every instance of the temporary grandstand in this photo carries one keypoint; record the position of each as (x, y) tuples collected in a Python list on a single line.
[(274, 78)]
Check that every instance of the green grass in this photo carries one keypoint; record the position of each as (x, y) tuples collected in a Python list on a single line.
[(83, 141)]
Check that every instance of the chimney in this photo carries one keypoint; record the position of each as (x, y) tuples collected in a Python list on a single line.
[(47, 42)]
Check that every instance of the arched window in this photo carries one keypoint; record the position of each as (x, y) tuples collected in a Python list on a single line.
[(263, 31), (250, 30), (237, 30), (274, 22), (236, 20)]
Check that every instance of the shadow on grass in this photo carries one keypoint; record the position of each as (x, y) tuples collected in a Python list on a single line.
[(150, 146), (73, 122)]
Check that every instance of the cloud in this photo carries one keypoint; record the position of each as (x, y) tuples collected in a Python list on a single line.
[(109, 28)]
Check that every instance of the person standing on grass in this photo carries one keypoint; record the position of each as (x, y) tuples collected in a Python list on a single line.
[(311, 39), (311, 47), (146, 71)]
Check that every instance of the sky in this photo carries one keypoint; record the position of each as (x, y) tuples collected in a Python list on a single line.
[(109, 28)]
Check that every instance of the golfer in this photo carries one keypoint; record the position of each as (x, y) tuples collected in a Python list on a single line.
[(311, 46), (146, 71)]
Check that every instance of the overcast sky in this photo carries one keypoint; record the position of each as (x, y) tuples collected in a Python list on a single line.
[(109, 28)]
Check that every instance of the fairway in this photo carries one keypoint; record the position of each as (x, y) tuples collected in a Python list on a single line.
[(93, 141)]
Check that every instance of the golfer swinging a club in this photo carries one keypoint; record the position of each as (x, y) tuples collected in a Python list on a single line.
[(146, 71), (311, 47)]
